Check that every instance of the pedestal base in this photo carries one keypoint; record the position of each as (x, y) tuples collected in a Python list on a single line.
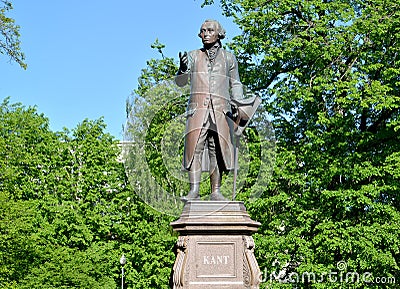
[(215, 248)]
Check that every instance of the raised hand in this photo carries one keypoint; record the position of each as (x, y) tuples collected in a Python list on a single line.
[(183, 61)]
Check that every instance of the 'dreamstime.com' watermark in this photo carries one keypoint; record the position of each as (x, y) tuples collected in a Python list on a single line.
[(339, 276)]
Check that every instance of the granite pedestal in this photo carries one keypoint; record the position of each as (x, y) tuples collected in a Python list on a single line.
[(215, 248)]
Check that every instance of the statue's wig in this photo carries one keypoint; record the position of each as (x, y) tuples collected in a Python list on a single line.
[(221, 30)]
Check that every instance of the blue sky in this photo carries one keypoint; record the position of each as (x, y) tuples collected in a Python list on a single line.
[(84, 56)]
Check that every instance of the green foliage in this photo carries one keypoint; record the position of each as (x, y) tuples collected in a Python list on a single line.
[(9, 33), (154, 128), (18, 249), (328, 73), (25, 143), (67, 213)]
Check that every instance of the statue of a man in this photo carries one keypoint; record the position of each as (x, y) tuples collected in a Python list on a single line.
[(214, 83)]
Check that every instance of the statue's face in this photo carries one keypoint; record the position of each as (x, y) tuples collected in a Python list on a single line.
[(209, 33)]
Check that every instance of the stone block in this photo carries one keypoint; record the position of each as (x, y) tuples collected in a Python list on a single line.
[(215, 248)]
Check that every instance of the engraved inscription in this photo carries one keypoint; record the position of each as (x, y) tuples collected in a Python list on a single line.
[(215, 259)]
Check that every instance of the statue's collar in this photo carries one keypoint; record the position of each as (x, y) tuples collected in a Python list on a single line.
[(212, 51)]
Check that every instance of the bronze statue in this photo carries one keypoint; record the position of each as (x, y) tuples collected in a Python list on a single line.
[(214, 85)]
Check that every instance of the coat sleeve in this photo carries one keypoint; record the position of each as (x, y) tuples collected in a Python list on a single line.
[(234, 79)]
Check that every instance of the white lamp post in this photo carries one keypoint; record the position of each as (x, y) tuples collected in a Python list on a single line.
[(122, 261)]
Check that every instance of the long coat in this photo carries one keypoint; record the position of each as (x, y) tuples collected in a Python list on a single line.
[(213, 86)]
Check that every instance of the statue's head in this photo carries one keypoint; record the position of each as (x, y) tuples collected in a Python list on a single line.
[(211, 31)]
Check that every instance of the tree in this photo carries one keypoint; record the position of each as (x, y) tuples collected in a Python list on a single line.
[(155, 114), (328, 73), (67, 212), (9, 31), (18, 250)]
